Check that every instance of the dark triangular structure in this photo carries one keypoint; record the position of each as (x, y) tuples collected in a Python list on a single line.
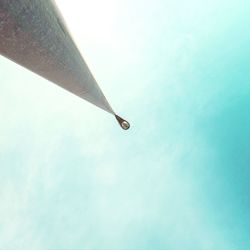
[(33, 34)]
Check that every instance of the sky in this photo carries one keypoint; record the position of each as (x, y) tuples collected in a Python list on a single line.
[(71, 179)]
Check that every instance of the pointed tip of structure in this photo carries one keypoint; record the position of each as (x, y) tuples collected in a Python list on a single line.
[(123, 123)]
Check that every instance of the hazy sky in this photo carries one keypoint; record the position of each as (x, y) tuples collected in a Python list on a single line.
[(71, 179)]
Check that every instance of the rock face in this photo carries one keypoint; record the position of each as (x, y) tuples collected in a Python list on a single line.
[(33, 34)]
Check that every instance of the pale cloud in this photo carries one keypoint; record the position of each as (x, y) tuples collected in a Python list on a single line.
[(71, 179)]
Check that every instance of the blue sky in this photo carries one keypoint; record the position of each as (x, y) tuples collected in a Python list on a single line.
[(178, 179)]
